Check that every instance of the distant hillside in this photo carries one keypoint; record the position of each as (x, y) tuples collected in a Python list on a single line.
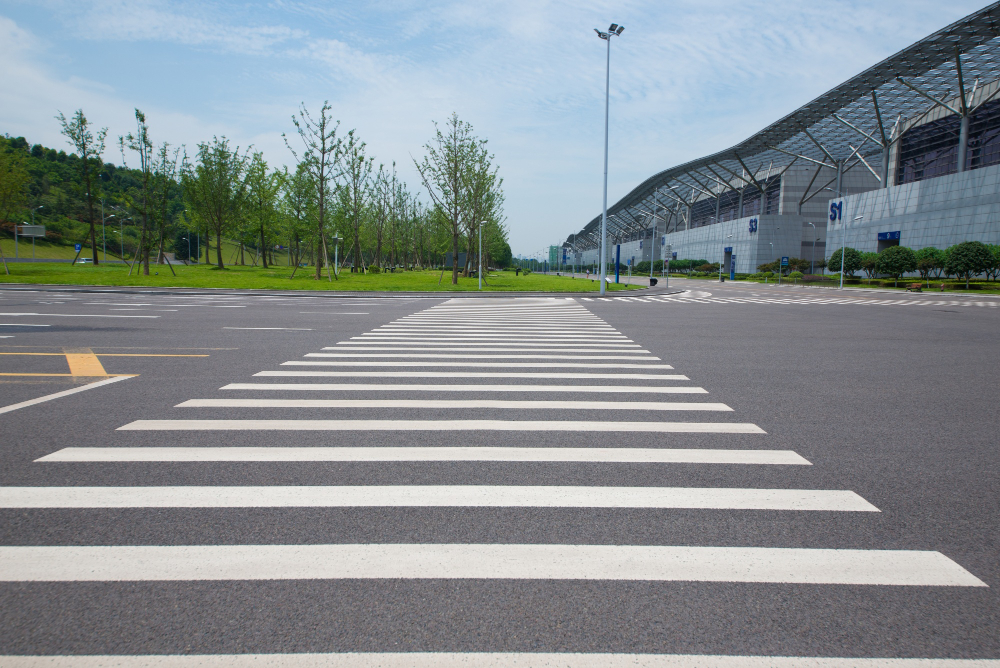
[(56, 187)]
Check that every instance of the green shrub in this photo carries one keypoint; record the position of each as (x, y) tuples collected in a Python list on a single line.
[(796, 275)]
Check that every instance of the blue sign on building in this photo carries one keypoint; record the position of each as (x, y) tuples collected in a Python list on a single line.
[(673, 256), (887, 236), (727, 249), (784, 261)]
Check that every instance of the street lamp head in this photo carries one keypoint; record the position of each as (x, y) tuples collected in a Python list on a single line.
[(619, 30), (859, 218), (602, 35), (614, 27)]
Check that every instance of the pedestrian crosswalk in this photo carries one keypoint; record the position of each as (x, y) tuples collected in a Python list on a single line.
[(703, 297), (471, 417)]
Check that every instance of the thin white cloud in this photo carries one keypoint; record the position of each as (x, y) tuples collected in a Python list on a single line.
[(688, 78)]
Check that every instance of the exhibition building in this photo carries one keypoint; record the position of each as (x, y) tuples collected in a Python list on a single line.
[(905, 153)]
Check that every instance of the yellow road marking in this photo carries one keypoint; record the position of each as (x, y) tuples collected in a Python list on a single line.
[(83, 362), (109, 354), (65, 375)]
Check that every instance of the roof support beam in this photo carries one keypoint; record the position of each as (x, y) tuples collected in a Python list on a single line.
[(857, 129), (749, 173), (936, 101), (679, 197), (865, 163), (707, 189), (741, 178), (878, 118), (961, 82), (722, 180), (820, 146), (806, 191), (803, 157)]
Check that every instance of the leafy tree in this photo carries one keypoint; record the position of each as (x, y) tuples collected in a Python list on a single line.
[(183, 240), (869, 264), (442, 171), (993, 271), (321, 157), (138, 199), (850, 258), (215, 187), (262, 201), (298, 206), (930, 259), (356, 171), (968, 259), (89, 147), (896, 261), (484, 198), (13, 184)]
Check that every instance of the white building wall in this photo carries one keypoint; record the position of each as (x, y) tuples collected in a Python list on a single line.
[(937, 212)]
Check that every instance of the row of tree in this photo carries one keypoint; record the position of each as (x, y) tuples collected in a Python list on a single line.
[(964, 260), (334, 194)]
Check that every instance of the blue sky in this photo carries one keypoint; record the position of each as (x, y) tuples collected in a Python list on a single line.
[(688, 78)]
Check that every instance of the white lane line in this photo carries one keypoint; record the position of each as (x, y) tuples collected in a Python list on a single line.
[(64, 393), (334, 313), (478, 660), (296, 329), (79, 315), (487, 562), (464, 496), (20, 324), (558, 349), (492, 333), (491, 357), (402, 387), (427, 454), (457, 403), (473, 374), (476, 345), (444, 425), (510, 365)]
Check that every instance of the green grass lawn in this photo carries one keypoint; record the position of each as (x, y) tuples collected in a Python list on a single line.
[(277, 278)]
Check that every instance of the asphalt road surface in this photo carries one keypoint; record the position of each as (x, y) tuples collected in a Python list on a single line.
[(733, 475)]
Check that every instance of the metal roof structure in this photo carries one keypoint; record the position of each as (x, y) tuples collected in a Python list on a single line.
[(855, 122)]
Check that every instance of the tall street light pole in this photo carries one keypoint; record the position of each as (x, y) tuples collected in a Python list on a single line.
[(480, 255), (615, 29), (812, 258), (843, 250)]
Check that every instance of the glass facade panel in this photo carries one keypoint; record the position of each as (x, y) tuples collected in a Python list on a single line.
[(983, 148), (703, 211), (729, 205), (929, 150)]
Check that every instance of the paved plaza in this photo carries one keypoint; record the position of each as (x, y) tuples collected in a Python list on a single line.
[(707, 475)]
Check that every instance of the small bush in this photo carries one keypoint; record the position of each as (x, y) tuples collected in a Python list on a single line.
[(796, 275)]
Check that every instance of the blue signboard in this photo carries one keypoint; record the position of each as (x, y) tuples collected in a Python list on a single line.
[(753, 225), (640, 245), (663, 240), (732, 268), (784, 261), (728, 249), (888, 236), (673, 256), (77, 248)]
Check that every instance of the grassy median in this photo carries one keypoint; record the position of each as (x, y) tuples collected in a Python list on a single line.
[(278, 278)]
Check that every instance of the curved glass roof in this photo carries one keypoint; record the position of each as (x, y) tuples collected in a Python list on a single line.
[(854, 122)]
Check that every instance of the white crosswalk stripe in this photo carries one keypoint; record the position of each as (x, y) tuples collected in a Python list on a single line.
[(565, 351), (700, 297)]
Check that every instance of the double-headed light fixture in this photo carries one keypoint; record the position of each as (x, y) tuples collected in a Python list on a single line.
[(614, 30)]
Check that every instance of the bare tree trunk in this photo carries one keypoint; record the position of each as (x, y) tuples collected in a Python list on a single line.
[(218, 247), (263, 255)]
